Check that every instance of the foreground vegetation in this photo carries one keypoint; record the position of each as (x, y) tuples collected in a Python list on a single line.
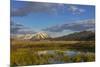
[(26, 52), (52, 45)]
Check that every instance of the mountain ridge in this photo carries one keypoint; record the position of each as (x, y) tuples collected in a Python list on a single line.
[(83, 35), (76, 36)]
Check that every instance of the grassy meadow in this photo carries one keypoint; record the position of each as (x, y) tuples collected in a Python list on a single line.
[(29, 52)]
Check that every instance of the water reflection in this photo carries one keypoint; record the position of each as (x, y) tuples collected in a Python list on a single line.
[(66, 52), (60, 56)]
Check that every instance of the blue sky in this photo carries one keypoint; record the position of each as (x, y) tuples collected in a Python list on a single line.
[(49, 16)]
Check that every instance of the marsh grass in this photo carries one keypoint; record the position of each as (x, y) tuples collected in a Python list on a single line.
[(25, 53), (52, 45)]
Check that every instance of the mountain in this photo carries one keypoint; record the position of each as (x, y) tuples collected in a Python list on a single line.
[(40, 35), (78, 36), (81, 36), (36, 36)]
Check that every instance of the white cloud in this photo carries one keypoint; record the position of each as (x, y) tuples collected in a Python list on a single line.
[(36, 7), (76, 9), (81, 25), (20, 29)]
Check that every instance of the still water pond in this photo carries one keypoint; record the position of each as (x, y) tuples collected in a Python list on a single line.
[(60, 56)]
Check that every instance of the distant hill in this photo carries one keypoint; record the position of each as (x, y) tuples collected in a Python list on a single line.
[(78, 36), (81, 36)]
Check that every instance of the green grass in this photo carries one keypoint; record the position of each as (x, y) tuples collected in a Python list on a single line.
[(24, 52), (52, 45), (27, 58)]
